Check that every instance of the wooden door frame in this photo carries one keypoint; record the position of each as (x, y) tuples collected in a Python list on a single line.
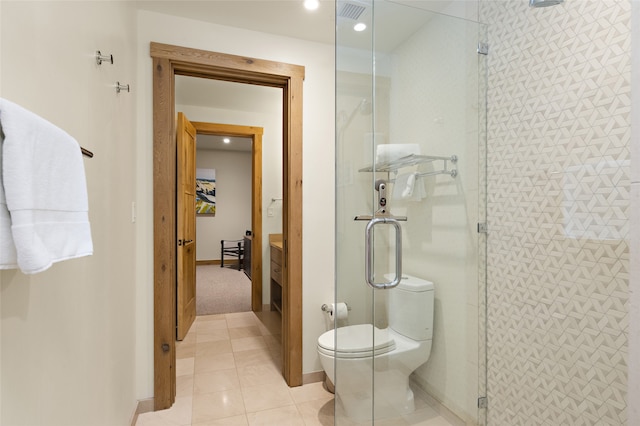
[(255, 133), (169, 61)]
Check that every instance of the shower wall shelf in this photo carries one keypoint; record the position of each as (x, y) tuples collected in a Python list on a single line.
[(414, 160)]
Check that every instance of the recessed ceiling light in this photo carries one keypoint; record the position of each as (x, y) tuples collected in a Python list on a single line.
[(360, 26), (311, 4), (226, 140)]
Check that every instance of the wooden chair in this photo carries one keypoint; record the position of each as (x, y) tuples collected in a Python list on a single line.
[(234, 248)]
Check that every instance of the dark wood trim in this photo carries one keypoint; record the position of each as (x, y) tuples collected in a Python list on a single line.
[(292, 233), (167, 62), (164, 236)]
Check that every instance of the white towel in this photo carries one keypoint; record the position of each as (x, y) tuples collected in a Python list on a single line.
[(42, 191), (7, 248), (403, 185), (387, 153), (409, 187)]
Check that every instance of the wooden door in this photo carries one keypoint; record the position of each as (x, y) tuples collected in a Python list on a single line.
[(186, 226), (169, 61)]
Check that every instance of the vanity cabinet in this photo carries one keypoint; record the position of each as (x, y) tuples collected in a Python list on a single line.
[(246, 260), (276, 275)]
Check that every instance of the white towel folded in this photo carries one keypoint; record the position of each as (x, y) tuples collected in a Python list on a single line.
[(43, 193), (386, 153)]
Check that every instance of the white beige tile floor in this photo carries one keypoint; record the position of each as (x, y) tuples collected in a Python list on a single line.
[(228, 372)]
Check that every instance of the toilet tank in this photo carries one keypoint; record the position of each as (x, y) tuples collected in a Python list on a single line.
[(411, 308)]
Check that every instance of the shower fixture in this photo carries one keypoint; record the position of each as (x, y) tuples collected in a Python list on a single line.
[(364, 107), (544, 3)]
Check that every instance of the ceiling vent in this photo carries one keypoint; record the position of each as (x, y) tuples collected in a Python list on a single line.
[(351, 11)]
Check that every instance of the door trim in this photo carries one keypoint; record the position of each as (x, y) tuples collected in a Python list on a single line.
[(255, 133), (169, 61)]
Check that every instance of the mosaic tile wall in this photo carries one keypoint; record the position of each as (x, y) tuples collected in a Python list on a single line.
[(558, 212)]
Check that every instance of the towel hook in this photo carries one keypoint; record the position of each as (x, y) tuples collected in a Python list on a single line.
[(103, 58), (86, 152), (121, 87)]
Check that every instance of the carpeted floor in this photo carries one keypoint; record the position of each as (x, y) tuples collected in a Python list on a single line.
[(221, 290)]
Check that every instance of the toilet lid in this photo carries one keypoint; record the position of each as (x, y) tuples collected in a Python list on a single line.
[(360, 340)]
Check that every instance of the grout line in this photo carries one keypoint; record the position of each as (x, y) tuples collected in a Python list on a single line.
[(271, 361)]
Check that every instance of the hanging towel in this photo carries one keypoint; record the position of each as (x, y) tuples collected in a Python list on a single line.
[(403, 186), (43, 193), (419, 192), (7, 248), (409, 187)]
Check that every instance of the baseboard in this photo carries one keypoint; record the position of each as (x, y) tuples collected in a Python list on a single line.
[(208, 262), (228, 262), (144, 406), (316, 376)]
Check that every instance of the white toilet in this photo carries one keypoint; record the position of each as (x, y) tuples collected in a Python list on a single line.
[(366, 353)]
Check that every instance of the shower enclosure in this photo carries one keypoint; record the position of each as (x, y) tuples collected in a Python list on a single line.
[(410, 202)]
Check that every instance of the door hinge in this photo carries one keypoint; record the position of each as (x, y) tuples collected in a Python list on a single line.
[(483, 228), (483, 402), (483, 48)]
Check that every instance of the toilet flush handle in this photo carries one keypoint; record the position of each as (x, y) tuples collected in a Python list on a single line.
[(368, 261)]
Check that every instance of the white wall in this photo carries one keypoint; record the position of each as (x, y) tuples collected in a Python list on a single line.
[(440, 240), (233, 201), (68, 334), (318, 160)]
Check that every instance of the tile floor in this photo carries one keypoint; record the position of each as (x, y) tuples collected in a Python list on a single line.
[(228, 372)]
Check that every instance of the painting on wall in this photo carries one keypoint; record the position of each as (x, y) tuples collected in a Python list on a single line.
[(206, 192)]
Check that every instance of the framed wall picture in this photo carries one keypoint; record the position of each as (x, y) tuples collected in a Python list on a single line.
[(206, 192)]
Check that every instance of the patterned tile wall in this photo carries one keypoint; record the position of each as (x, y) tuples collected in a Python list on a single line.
[(558, 211)]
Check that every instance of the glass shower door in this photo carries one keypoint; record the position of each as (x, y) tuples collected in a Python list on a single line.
[(410, 197)]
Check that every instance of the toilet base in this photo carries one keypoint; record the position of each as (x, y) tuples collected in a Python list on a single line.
[(392, 398), (371, 388), (327, 385)]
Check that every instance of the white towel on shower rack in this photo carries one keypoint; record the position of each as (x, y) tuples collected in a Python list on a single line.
[(388, 153), (408, 186), (42, 192)]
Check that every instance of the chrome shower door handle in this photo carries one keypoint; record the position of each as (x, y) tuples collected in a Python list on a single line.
[(368, 247)]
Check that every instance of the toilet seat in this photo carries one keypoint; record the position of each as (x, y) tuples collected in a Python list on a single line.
[(356, 341)]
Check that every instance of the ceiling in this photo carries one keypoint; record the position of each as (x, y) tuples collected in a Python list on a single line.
[(286, 18), (289, 18), (227, 95), (224, 94), (215, 143)]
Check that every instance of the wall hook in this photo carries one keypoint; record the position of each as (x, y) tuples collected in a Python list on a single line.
[(103, 58), (121, 87)]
